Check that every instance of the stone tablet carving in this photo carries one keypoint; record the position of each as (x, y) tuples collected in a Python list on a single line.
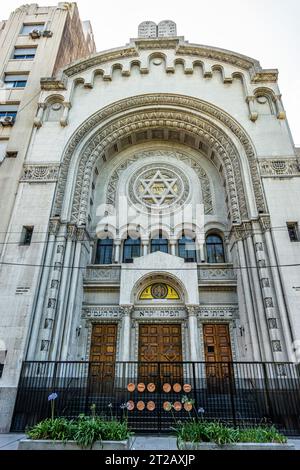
[(147, 29), (167, 28)]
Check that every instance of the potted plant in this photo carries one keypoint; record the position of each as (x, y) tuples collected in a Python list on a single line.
[(86, 432)]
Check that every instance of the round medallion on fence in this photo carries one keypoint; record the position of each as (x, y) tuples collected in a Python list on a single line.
[(141, 387), (177, 406), (188, 406), (151, 387), (167, 406), (150, 406), (177, 388), (131, 387), (187, 388), (167, 388), (130, 405), (140, 405)]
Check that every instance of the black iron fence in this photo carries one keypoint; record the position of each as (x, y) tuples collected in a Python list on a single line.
[(153, 396)]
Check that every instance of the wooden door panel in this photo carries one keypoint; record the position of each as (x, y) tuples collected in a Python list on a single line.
[(217, 349), (103, 351), (160, 343)]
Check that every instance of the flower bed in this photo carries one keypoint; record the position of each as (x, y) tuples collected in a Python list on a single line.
[(86, 432), (204, 435)]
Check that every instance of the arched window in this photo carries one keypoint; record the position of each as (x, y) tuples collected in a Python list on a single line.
[(159, 244), (131, 249), (215, 249), (187, 249), (104, 251)]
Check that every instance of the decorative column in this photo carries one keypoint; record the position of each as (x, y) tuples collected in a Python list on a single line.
[(117, 245), (279, 108), (260, 300), (193, 332), (250, 314), (173, 244), (37, 122), (125, 342), (65, 116), (57, 338), (33, 346), (282, 319), (69, 316), (145, 246), (252, 108)]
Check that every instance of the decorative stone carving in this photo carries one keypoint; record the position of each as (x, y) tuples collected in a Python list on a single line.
[(269, 302), (272, 322), (60, 249), (265, 282), (102, 312), (229, 153), (216, 274), (159, 312), (282, 167), (204, 181), (147, 29), (109, 274), (40, 173), (54, 284), (54, 225), (51, 303), (265, 223), (166, 28), (217, 312), (259, 246), (45, 345), (276, 346), (57, 266)]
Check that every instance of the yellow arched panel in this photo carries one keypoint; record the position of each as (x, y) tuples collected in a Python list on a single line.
[(159, 290)]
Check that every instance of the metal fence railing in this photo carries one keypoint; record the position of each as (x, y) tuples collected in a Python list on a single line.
[(237, 393)]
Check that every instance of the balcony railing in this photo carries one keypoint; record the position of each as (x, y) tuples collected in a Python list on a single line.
[(239, 393)]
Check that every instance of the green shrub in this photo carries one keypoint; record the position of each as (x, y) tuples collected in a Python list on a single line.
[(85, 430), (204, 431), (58, 429)]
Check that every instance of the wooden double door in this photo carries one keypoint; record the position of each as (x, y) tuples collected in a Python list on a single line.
[(160, 343), (103, 352), (217, 348)]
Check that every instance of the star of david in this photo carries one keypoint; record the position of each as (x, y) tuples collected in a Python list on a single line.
[(158, 189)]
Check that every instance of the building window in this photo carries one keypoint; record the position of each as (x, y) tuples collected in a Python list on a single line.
[(159, 244), (215, 249), (26, 235), (27, 28), (293, 231), (187, 249), (131, 249), (15, 81), (7, 110), (104, 251), (24, 53)]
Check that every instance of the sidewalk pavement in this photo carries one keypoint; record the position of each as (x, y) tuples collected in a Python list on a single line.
[(154, 442)]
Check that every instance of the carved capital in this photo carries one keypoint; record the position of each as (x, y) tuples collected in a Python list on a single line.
[(54, 225), (126, 310)]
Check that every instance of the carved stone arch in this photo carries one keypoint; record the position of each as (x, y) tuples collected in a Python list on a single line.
[(164, 111)]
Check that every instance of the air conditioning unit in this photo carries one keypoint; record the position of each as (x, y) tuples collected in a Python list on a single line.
[(35, 34), (7, 121), (47, 34)]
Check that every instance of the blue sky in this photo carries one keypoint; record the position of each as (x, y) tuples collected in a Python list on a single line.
[(268, 30)]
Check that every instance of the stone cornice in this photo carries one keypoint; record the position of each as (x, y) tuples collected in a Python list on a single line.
[(181, 47)]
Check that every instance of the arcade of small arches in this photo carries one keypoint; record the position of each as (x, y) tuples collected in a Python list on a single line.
[(109, 250)]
